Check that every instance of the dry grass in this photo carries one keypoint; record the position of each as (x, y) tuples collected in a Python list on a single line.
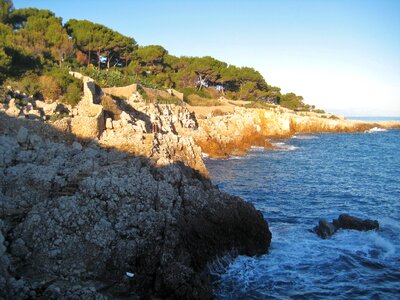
[(196, 100)]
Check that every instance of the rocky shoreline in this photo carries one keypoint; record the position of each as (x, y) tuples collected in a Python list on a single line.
[(115, 201), (87, 222)]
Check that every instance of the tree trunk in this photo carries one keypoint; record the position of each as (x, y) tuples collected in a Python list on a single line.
[(108, 62), (98, 56), (90, 50), (201, 82)]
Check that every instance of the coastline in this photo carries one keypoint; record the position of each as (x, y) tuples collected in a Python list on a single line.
[(146, 189)]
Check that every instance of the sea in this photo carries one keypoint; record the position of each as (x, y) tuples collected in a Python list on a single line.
[(310, 177)]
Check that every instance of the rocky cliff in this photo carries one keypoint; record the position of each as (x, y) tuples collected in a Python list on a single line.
[(234, 133), (84, 222)]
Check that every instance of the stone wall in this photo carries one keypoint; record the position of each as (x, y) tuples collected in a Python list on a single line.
[(124, 92), (88, 121)]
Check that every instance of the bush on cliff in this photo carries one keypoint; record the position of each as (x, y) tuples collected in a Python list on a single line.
[(49, 88)]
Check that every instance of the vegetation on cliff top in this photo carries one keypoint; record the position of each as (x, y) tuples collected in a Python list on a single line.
[(35, 43)]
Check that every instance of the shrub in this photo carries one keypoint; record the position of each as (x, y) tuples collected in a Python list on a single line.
[(73, 94), (169, 100), (258, 104), (218, 112), (187, 91), (49, 87), (81, 58), (56, 117), (143, 93), (30, 85), (111, 108)]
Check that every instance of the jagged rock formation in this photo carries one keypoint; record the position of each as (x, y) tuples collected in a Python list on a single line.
[(169, 133), (234, 133), (75, 220), (326, 229)]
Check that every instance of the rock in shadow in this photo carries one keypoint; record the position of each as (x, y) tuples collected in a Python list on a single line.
[(87, 222), (326, 229)]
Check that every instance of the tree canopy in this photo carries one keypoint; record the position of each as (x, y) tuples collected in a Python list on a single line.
[(96, 40), (35, 40)]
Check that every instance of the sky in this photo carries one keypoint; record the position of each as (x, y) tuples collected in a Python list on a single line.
[(342, 56)]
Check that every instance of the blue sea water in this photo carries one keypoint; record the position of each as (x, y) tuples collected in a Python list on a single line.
[(373, 119), (312, 177)]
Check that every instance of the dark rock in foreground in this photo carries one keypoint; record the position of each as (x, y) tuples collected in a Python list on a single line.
[(326, 229), (92, 223)]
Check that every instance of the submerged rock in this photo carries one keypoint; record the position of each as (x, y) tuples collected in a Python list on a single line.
[(326, 229), (75, 222)]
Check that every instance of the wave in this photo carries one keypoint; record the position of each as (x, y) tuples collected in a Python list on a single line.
[(283, 146), (234, 157), (204, 155), (257, 148), (304, 137), (375, 129)]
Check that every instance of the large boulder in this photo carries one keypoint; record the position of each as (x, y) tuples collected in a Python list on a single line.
[(326, 229), (346, 221), (96, 222)]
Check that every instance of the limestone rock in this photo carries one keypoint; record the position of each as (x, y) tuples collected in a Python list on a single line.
[(77, 221), (22, 136), (13, 110), (77, 146), (109, 123)]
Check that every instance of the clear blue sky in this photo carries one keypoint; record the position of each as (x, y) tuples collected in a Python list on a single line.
[(343, 56)]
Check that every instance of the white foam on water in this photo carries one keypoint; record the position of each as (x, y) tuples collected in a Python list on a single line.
[(234, 157), (387, 246), (284, 146), (304, 137), (257, 148), (375, 129), (204, 155)]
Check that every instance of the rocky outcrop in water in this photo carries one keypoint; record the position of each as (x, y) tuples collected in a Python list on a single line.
[(326, 229), (90, 223)]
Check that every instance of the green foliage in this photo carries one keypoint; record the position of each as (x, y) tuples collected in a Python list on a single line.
[(151, 55), (292, 101), (49, 88), (34, 41), (143, 93), (258, 104), (169, 100), (73, 94), (97, 40), (107, 78), (30, 85), (41, 34), (6, 7), (187, 91), (56, 117)]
